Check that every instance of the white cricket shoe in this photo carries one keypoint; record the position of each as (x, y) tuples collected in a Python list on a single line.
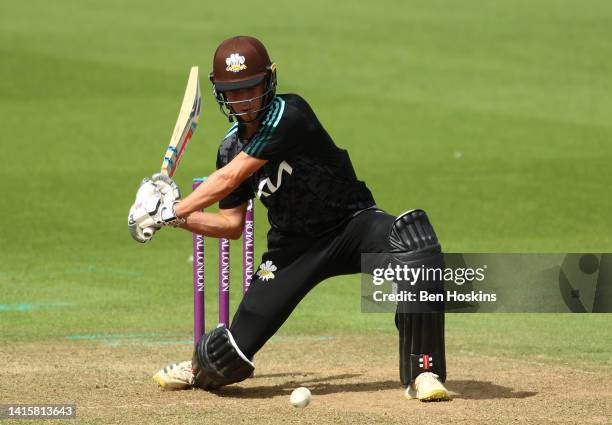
[(427, 387), (177, 376)]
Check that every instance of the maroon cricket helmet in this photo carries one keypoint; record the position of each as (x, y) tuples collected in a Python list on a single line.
[(240, 62)]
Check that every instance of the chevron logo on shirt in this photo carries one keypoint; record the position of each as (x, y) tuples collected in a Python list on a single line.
[(267, 183)]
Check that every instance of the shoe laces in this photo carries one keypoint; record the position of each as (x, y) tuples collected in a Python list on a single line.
[(182, 370)]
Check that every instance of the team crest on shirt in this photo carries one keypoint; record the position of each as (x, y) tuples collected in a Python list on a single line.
[(266, 271), (235, 63)]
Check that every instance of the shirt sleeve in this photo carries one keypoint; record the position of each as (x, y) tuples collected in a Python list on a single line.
[(238, 196), (280, 135)]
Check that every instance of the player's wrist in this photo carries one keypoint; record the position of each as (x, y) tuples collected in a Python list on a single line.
[(180, 210), (169, 216)]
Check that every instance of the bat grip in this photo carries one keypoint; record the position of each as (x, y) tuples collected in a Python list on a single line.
[(147, 232)]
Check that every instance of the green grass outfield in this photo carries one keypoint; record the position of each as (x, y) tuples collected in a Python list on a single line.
[(492, 116)]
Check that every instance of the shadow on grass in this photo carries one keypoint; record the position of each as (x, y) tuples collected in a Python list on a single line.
[(483, 390), (318, 386), (462, 389)]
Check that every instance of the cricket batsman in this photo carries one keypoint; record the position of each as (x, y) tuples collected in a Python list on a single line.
[(322, 218)]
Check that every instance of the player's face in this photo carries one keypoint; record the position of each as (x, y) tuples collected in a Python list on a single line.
[(246, 102)]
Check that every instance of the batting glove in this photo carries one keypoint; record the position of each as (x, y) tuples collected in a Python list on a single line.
[(170, 195), (140, 224)]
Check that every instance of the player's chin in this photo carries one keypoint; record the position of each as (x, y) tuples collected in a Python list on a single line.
[(247, 116)]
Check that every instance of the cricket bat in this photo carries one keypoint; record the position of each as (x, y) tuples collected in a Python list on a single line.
[(186, 124)]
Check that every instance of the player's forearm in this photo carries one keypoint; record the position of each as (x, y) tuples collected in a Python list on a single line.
[(216, 187), (211, 224)]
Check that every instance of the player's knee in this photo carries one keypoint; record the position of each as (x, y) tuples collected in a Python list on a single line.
[(218, 361)]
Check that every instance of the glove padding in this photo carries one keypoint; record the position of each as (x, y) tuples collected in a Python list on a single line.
[(170, 195), (166, 186), (154, 207), (147, 197)]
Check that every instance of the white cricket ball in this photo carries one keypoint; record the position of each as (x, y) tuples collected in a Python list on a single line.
[(300, 397)]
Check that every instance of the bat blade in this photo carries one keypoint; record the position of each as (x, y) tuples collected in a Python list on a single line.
[(186, 124)]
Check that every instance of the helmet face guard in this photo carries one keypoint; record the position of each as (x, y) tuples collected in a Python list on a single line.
[(225, 106)]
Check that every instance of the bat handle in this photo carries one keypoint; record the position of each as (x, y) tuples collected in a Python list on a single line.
[(148, 232)]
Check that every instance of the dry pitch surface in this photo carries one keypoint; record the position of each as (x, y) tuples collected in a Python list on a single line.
[(353, 380)]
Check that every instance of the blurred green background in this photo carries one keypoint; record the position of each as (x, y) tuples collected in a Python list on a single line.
[(492, 116)]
